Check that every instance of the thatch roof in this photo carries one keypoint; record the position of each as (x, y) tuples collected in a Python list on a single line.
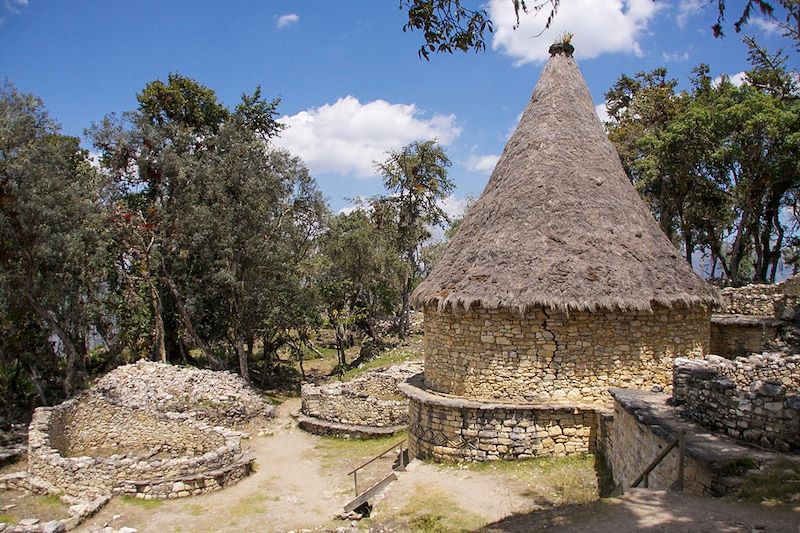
[(559, 224)]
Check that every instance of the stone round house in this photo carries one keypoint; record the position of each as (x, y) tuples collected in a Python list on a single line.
[(558, 285)]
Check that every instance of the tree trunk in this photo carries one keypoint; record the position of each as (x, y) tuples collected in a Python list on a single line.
[(187, 323), (244, 366), (159, 347), (70, 349)]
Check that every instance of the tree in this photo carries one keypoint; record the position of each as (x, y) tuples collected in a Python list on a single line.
[(416, 180), (450, 25), (53, 260)]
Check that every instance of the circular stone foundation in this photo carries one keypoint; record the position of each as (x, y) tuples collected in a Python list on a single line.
[(88, 446), (370, 405), (449, 428)]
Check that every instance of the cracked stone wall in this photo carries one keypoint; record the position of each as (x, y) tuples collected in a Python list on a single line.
[(550, 355), (754, 399)]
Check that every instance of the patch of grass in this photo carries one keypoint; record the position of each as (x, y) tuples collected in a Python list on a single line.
[(739, 466), (139, 502), (357, 449), (196, 509), (249, 505), (777, 484), (8, 518), (50, 500), (551, 481), (401, 354), (431, 510)]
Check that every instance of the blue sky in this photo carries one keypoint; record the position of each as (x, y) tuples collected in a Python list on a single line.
[(349, 78)]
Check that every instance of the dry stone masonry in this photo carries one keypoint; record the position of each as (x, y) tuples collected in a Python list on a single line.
[(552, 356), (150, 430), (754, 399), (369, 405), (453, 429), (777, 300)]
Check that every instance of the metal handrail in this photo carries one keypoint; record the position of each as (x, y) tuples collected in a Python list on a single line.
[(679, 441), (354, 472)]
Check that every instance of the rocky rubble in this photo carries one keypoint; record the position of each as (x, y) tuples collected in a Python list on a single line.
[(218, 397)]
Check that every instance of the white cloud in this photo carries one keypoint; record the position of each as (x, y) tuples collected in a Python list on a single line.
[(348, 136), (687, 8), (766, 25), (602, 113), (599, 27), (454, 207), (285, 20), (737, 79), (482, 163), (675, 57)]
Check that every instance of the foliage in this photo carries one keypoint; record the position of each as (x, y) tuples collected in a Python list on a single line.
[(450, 25), (717, 163), (416, 181)]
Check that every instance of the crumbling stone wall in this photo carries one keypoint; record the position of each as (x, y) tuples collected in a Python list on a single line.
[(548, 355), (775, 300), (149, 447), (754, 399), (451, 429), (372, 399), (738, 335)]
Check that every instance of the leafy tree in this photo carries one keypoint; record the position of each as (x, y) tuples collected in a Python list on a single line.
[(53, 259), (416, 180), (458, 25)]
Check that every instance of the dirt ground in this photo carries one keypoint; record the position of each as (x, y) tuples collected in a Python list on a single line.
[(301, 483)]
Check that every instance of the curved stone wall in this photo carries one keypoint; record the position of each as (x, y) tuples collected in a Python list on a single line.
[(368, 401), (548, 355), (88, 447), (447, 428)]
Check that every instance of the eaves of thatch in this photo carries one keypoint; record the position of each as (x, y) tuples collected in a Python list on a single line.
[(559, 224)]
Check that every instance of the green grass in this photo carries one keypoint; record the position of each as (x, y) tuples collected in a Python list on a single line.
[(249, 505), (551, 481), (778, 484), (50, 500), (139, 502), (395, 356), (8, 519), (431, 510)]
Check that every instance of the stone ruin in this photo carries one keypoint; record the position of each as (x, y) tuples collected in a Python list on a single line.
[(757, 318), (370, 405), (148, 430)]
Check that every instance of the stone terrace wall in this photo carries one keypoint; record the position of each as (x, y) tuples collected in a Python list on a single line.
[(372, 399), (55, 430), (774, 300), (738, 335), (547, 355), (453, 429), (754, 399)]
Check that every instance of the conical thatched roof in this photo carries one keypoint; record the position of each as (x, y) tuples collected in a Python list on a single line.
[(559, 224)]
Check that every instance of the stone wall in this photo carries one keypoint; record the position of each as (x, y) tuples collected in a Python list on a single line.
[(631, 446), (372, 399), (445, 428), (738, 335), (754, 399), (128, 445), (776, 300), (548, 355)]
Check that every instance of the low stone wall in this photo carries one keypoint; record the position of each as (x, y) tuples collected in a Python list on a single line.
[(754, 399), (149, 448), (645, 423), (738, 335), (371, 400), (549, 356), (446, 428), (775, 300)]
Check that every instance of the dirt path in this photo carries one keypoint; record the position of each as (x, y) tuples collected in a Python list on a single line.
[(651, 510), (300, 482), (289, 490)]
